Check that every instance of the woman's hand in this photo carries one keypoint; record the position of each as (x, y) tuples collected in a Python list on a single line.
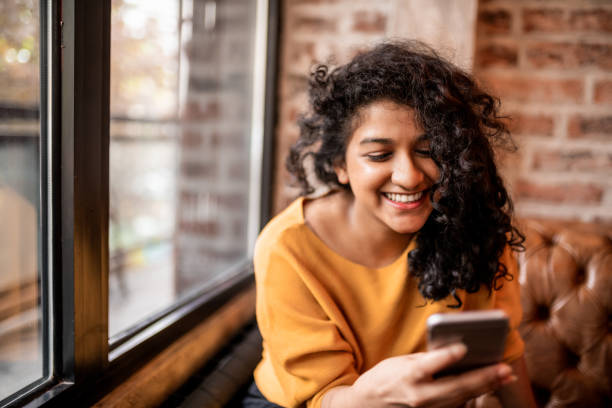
[(407, 381)]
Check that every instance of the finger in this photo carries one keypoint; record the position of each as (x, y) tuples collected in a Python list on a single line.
[(472, 383), (429, 363)]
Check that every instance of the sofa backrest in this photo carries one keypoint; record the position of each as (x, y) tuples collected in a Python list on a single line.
[(566, 294)]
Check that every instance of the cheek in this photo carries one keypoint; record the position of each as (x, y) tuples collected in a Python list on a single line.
[(365, 175), (432, 171)]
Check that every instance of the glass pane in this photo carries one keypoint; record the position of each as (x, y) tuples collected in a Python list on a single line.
[(21, 360), (180, 130)]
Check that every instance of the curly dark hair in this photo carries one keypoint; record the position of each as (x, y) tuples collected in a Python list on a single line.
[(461, 243)]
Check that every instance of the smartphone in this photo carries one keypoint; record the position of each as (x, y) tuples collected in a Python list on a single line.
[(484, 333)]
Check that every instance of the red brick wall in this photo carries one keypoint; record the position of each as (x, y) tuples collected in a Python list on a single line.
[(551, 64), (550, 61)]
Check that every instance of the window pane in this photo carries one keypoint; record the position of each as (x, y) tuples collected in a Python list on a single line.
[(21, 360), (180, 131)]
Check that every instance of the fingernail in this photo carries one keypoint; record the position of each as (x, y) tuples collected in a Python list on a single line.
[(504, 371), (509, 380), (458, 349)]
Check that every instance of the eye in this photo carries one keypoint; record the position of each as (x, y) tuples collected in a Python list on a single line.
[(423, 152), (378, 156)]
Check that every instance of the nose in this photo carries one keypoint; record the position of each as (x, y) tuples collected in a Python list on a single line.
[(406, 173)]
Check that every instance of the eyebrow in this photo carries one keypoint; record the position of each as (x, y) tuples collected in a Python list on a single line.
[(378, 140), (385, 141)]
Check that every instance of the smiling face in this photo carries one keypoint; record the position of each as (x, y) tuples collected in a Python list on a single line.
[(389, 169)]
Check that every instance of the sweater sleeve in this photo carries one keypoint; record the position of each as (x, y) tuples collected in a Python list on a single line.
[(508, 298), (306, 353)]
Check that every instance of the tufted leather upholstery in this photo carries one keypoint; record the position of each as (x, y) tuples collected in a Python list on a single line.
[(566, 294)]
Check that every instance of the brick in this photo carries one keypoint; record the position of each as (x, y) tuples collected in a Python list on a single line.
[(490, 55), (11, 112), (494, 22), (577, 193), (527, 124), (292, 2), (295, 84), (199, 169), (236, 50), (550, 55), (537, 90), (208, 228), (232, 201), (580, 126), (234, 141), (369, 22), (224, 21), (238, 171), (196, 111), (188, 197), (191, 200), (198, 84), (239, 229), (300, 51), (544, 20), (191, 139), (569, 55), (576, 160), (221, 255), (599, 55), (603, 92), (313, 24), (596, 20), (204, 49)]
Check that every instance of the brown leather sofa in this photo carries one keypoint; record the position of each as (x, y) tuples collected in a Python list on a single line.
[(566, 293)]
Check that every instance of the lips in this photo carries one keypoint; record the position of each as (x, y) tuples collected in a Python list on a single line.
[(402, 201), (404, 198)]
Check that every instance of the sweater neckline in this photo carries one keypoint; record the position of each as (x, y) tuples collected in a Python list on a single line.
[(321, 244)]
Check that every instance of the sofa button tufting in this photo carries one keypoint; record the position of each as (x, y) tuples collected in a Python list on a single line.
[(542, 312), (572, 359), (581, 276)]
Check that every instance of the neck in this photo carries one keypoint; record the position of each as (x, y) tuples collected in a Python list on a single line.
[(373, 235)]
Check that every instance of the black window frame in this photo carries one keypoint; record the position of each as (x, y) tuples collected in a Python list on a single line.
[(75, 119)]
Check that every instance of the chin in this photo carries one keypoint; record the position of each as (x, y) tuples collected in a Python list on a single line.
[(411, 228)]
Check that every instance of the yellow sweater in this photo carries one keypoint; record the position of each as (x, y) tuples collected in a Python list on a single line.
[(325, 320)]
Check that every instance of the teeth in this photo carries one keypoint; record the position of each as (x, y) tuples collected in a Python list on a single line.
[(404, 198)]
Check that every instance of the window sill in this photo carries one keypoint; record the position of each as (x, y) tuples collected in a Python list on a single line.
[(166, 372)]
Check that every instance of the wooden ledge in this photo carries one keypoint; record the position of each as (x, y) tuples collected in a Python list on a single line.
[(166, 372)]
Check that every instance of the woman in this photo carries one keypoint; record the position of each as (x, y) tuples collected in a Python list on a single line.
[(417, 222)]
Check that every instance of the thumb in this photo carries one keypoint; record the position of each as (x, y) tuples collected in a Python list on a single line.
[(433, 361)]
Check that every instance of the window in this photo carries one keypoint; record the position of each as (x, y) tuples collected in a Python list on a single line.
[(144, 149), (181, 103), (132, 140), (21, 331)]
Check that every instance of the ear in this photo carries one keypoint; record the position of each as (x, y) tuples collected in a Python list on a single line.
[(341, 173)]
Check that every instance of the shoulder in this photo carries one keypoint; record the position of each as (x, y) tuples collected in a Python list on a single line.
[(282, 232), (284, 253)]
